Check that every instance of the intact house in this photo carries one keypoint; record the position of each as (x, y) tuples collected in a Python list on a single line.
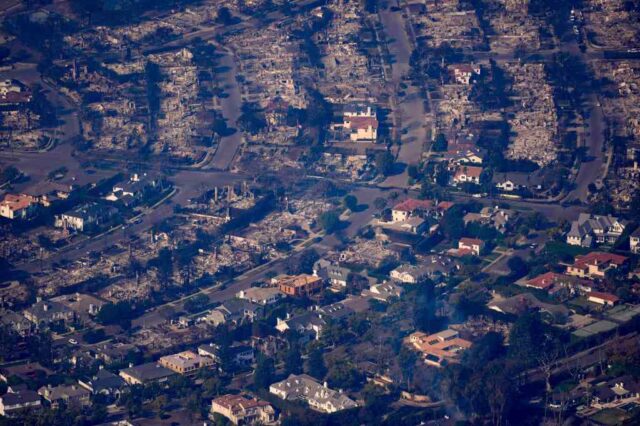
[(104, 383), (516, 181), (468, 246), (309, 325), (243, 409), (434, 267), (463, 73), (596, 265), (261, 295), (66, 395), (239, 355), (634, 241), (235, 311), (602, 298), (464, 154), (409, 216), (186, 363), (145, 374), (46, 313), (496, 217), (408, 274), (590, 229), (319, 397), (362, 129), (134, 190), (440, 348), (110, 352), (336, 275), (616, 392), (383, 291), (85, 306), (362, 122), (20, 206), (559, 285), (467, 174), (411, 208), (85, 217), (14, 403)]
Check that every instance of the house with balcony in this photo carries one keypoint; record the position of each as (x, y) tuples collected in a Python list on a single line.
[(318, 396), (589, 230), (596, 265), (243, 409)]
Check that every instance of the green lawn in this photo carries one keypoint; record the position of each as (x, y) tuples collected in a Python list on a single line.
[(559, 248)]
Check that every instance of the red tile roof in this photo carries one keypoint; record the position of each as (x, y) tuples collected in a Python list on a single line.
[(469, 171), (544, 281), (362, 122), (471, 241), (232, 402), (445, 205), (597, 257), (412, 204), (604, 296), (17, 202)]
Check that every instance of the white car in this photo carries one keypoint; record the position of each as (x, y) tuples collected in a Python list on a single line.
[(73, 341)]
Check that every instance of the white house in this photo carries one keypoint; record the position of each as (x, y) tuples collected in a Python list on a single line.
[(469, 174)]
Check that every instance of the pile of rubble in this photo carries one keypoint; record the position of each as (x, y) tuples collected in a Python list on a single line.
[(512, 24), (535, 122), (612, 24), (177, 120), (449, 22)]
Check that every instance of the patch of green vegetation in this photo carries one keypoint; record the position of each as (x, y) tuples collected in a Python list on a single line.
[(564, 250)]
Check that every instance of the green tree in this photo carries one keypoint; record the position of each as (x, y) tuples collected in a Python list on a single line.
[(264, 373), (304, 263), (518, 267), (344, 375), (196, 303), (225, 17), (8, 174), (315, 365), (293, 360), (385, 163), (329, 221), (380, 203), (440, 144), (350, 202), (413, 171), (407, 362), (159, 405), (525, 338)]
